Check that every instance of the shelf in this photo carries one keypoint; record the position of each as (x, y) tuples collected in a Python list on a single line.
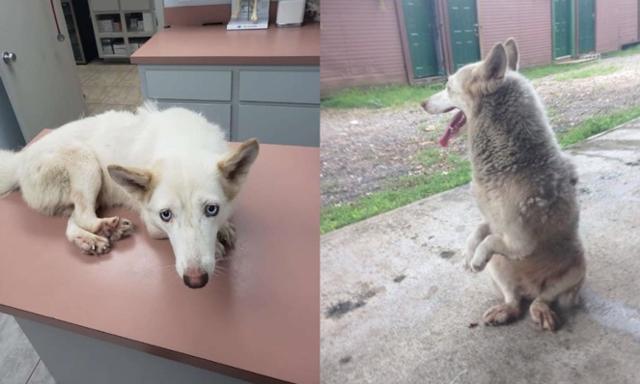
[(110, 34), (139, 34), (114, 56)]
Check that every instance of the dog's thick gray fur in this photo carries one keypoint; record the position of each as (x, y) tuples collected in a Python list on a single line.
[(525, 188)]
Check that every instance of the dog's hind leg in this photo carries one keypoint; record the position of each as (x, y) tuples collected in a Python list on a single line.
[(510, 310), (564, 289), (92, 234)]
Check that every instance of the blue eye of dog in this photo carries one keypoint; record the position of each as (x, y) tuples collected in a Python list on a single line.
[(166, 215), (211, 210)]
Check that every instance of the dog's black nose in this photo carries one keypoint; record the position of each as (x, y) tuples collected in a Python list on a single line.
[(196, 281), (424, 105)]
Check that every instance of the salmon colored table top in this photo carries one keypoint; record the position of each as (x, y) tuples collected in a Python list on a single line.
[(257, 320), (215, 45)]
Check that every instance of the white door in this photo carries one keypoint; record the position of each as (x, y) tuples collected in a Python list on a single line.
[(38, 71)]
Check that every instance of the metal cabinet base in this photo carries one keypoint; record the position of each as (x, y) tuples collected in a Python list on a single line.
[(76, 359), (276, 104)]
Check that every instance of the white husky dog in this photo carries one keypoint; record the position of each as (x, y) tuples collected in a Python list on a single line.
[(171, 166)]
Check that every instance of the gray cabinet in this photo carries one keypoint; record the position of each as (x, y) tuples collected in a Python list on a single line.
[(276, 104)]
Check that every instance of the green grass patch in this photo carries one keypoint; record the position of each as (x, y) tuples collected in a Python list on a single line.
[(406, 190), (597, 124), (380, 97), (623, 52), (551, 69), (590, 71)]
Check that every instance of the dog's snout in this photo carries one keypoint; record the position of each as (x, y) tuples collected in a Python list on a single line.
[(195, 278), (424, 104)]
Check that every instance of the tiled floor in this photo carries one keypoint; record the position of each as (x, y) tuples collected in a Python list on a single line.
[(109, 86), (19, 362)]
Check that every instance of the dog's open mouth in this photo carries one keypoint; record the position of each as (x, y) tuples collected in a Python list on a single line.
[(458, 121)]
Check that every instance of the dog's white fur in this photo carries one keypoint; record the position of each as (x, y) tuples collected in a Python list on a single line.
[(148, 161)]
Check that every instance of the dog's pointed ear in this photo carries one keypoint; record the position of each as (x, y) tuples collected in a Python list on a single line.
[(513, 56), (133, 180), (235, 166), (495, 64)]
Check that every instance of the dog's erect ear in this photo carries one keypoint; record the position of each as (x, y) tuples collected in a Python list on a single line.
[(235, 167), (513, 56), (134, 180), (495, 64)]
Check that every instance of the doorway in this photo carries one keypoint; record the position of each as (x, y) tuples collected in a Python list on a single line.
[(422, 35), (463, 29)]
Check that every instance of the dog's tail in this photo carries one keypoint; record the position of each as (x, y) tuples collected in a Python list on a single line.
[(9, 162)]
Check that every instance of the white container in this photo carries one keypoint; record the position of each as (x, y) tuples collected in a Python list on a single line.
[(106, 25), (147, 21), (290, 13)]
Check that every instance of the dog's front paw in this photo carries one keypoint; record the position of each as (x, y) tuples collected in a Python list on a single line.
[(475, 266), (472, 264), (115, 228), (226, 240), (93, 245)]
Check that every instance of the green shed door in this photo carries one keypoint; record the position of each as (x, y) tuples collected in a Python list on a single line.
[(463, 27), (419, 16), (586, 26), (562, 28)]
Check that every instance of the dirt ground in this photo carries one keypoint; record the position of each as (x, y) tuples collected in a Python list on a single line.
[(364, 150)]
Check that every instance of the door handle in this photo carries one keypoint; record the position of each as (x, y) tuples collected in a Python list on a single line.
[(476, 29), (9, 57)]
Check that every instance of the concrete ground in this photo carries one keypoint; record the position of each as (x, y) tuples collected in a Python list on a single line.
[(398, 307)]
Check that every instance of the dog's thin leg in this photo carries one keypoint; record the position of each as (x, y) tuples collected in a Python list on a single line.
[(474, 239), (86, 181), (495, 244), (510, 310), (226, 240)]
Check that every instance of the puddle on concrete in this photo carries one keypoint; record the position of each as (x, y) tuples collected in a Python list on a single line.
[(343, 307), (399, 278), (612, 314)]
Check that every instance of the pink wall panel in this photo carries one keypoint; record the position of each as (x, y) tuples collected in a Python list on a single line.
[(360, 44), (529, 21), (616, 23)]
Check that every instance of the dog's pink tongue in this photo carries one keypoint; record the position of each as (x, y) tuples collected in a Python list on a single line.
[(444, 140)]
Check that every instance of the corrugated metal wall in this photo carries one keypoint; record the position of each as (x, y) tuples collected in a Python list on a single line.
[(360, 44), (529, 21), (616, 23)]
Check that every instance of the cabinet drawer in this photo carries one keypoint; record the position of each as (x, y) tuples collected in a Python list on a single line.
[(279, 125), (188, 85), (135, 5), (216, 113), (280, 86)]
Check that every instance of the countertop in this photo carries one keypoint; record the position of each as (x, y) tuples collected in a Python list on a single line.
[(214, 45), (257, 319)]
